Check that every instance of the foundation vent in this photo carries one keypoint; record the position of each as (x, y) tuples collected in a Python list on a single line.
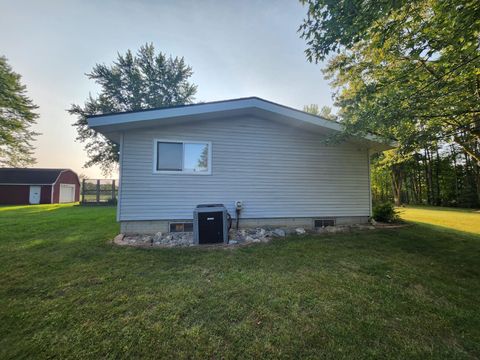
[(321, 223), (181, 227)]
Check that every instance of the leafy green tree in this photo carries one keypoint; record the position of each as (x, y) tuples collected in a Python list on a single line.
[(17, 116), (312, 109), (325, 112), (133, 82), (403, 69)]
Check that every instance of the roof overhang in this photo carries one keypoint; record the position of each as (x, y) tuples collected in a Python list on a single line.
[(112, 125)]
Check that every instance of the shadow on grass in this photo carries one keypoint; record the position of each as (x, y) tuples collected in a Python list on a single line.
[(443, 229)]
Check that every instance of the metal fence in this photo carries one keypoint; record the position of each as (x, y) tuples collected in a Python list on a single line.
[(99, 192)]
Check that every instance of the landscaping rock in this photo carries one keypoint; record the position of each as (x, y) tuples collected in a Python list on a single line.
[(119, 238), (300, 231), (158, 237), (178, 239), (146, 239), (249, 235), (241, 236), (278, 233)]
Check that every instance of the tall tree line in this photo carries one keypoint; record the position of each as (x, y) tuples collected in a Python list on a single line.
[(440, 174)]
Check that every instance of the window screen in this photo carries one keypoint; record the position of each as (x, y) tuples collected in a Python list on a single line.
[(169, 156)]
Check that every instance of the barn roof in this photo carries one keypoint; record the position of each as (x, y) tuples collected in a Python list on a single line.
[(29, 176)]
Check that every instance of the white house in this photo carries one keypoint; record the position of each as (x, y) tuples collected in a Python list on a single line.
[(271, 157)]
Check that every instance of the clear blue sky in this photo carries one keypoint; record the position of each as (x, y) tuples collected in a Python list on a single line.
[(236, 49)]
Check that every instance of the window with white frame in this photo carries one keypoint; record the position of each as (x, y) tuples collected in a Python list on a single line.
[(191, 157)]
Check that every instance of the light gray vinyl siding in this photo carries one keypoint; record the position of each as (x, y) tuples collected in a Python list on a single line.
[(275, 169)]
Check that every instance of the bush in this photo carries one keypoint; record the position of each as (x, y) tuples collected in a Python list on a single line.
[(385, 212)]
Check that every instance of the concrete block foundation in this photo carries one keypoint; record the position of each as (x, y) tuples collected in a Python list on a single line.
[(150, 227)]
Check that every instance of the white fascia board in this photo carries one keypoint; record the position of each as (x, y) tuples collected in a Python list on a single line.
[(166, 113), (110, 124), (299, 115), (201, 109)]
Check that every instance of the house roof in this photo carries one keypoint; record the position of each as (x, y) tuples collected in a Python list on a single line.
[(29, 176), (113, 124)]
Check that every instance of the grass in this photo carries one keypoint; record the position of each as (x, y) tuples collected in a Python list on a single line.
[(66, 292), (467, 220)]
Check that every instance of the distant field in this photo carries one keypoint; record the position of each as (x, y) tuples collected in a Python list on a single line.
[(408, 293), (459, 219)]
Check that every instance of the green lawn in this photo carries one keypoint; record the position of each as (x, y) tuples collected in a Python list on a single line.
[(459, 219), (65, 292)]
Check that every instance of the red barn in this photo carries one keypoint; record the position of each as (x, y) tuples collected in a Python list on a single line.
[(38, 186)]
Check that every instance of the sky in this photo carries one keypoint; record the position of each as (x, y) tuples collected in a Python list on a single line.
[(236, 49)]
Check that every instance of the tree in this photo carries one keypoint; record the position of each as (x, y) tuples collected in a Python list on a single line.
[(133, 82), (312, 109), (396, 163), (202, 162), (403, 69), (17, 116), (439, 174), (325, 112)]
